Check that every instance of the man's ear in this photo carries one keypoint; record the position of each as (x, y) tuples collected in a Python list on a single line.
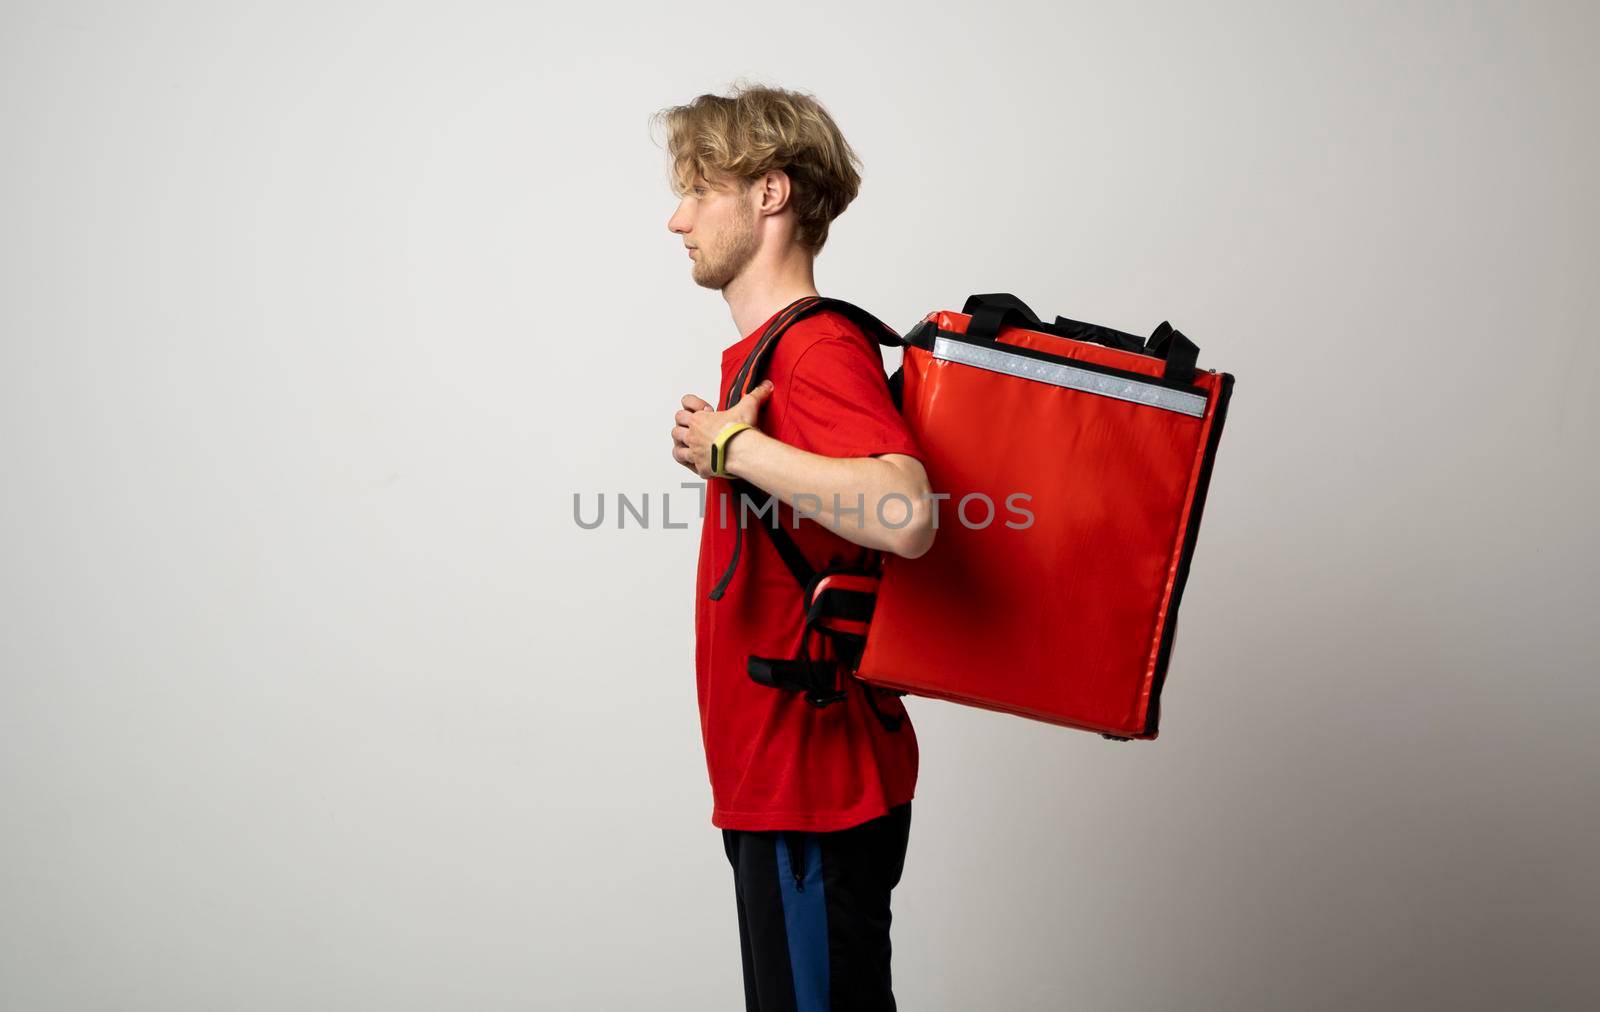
[(774, 189)]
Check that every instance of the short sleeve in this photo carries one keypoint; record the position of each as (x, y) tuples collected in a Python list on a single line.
[(838, 403)]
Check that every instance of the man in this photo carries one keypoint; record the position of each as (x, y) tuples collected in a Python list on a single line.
[(814, 802)]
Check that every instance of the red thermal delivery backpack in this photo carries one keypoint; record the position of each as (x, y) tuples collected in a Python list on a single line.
[(1076, 460)]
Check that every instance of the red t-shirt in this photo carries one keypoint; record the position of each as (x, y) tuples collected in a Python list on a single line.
[(775, 760)]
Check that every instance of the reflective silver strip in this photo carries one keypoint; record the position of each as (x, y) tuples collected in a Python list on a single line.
[(994, 359)]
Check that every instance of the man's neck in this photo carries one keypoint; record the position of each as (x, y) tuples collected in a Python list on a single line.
[(761, 290)]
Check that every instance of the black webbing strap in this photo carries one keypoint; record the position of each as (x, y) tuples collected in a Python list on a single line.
[(756, 361), (793, 558), (818, 678), (749, 374), (794, 674)]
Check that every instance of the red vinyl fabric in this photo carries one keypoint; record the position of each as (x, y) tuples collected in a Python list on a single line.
[(1068, 618)]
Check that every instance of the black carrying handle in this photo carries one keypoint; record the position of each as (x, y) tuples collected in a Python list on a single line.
[(1179, 352), (991, 312)]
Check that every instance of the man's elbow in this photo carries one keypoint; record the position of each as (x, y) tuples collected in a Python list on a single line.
[(908, 513), (914, 538)]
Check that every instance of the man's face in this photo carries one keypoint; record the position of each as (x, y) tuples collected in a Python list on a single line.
[(718, 224)]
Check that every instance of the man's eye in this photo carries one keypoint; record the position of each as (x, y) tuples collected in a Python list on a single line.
[(699, 191)]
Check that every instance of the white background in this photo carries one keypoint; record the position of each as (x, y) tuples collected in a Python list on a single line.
[(316, 316)]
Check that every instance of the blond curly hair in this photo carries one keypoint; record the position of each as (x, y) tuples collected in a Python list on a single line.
[(757, 129)]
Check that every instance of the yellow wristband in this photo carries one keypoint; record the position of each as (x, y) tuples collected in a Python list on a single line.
[(719, 448)]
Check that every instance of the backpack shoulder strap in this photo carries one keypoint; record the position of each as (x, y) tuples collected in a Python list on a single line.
[(754, 369), (749, 376)]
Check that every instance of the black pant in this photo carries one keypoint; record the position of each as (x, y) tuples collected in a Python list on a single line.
[(814, 914)]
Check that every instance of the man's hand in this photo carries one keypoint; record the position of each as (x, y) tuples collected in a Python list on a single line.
[(880, 501), (697, 426)]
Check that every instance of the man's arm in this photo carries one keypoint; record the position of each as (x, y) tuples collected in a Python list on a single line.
[(880, 502)]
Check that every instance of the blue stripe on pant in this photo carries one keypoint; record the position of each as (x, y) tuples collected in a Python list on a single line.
[(805, 918), (821, 943)]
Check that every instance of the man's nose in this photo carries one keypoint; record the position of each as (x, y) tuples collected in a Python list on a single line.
[(679, 222)]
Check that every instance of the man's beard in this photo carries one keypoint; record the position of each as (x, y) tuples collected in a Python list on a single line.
[(737, 248)]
